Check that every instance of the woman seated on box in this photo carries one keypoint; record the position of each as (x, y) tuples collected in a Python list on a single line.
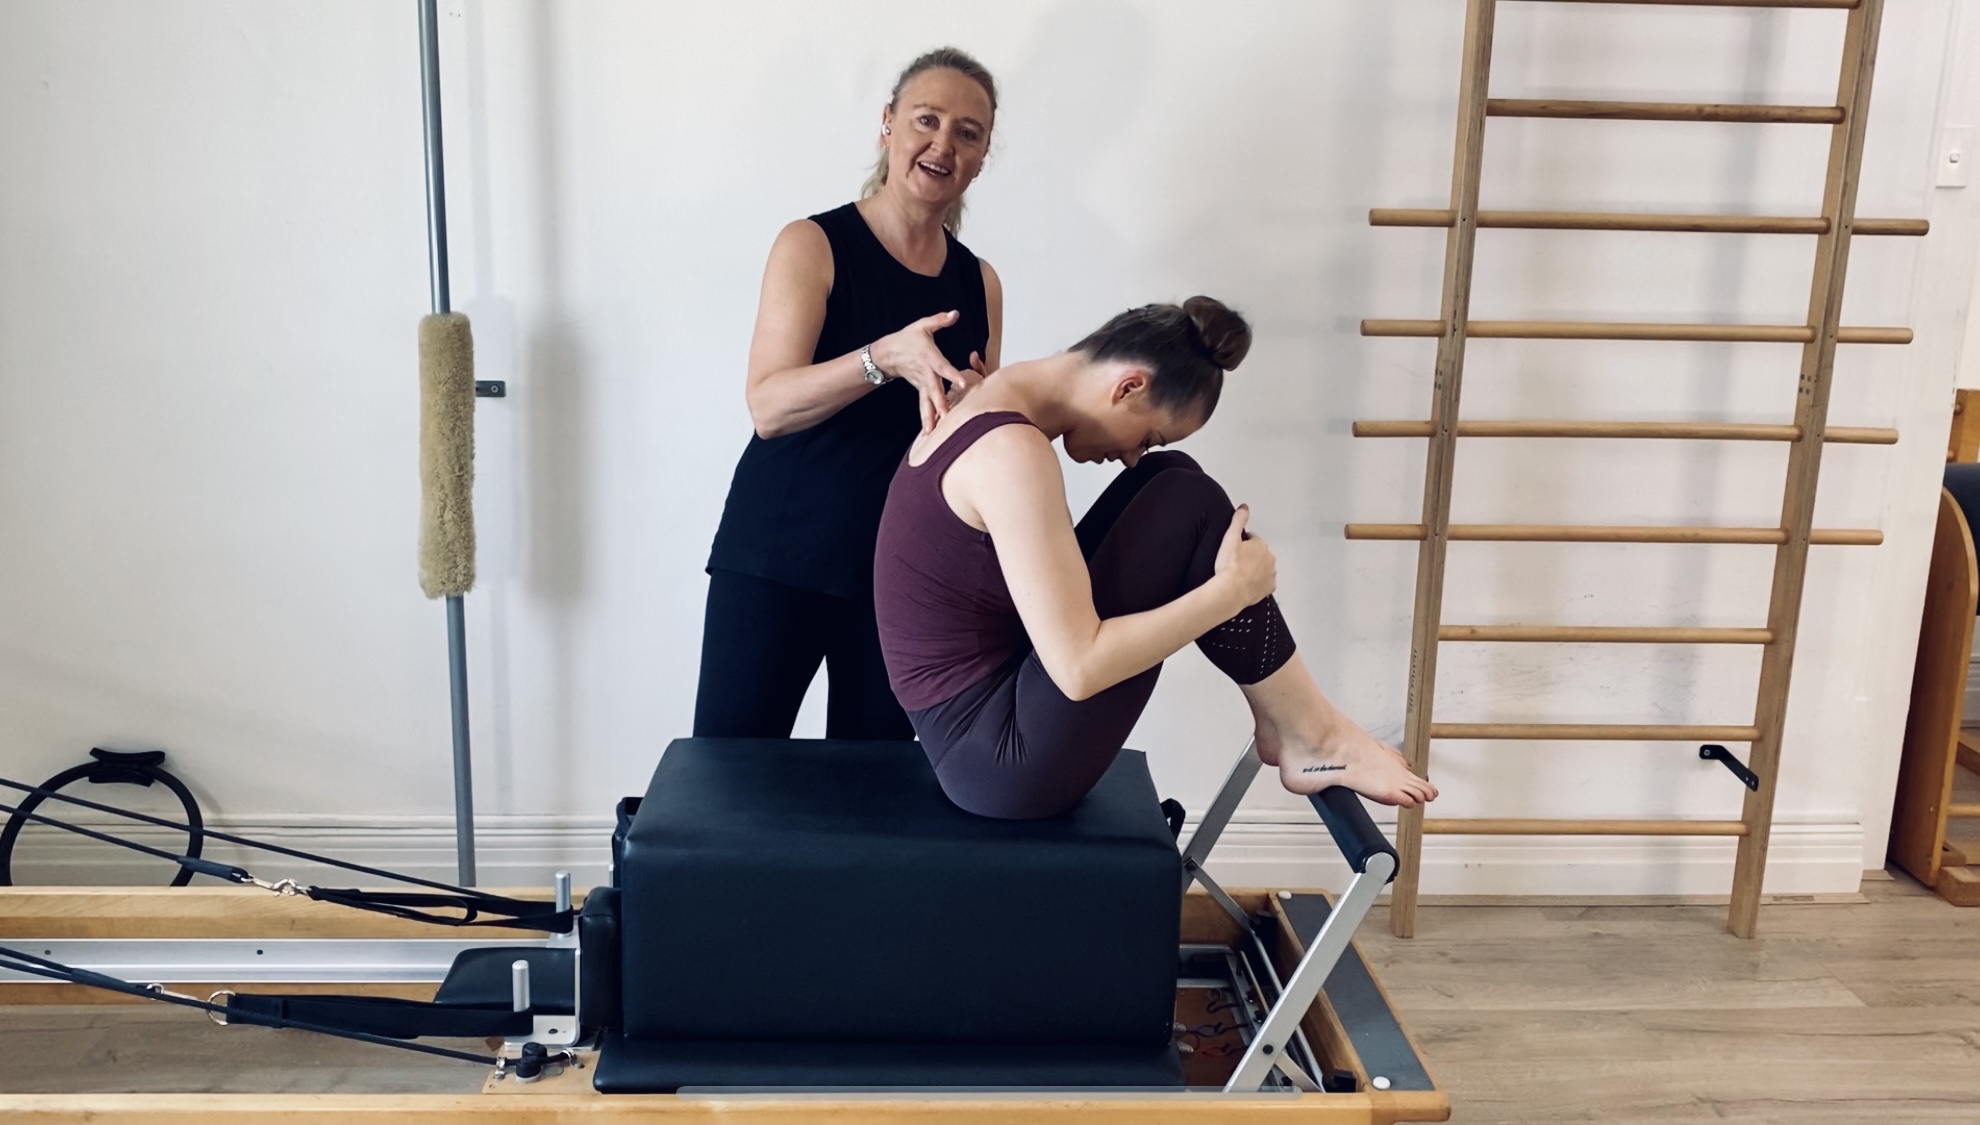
[(1023, 647)]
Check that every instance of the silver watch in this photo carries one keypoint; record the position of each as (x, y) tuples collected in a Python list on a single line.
[(874, 375)]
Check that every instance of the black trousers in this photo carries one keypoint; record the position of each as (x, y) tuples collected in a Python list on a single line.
[(761, 644), (1014, 746)]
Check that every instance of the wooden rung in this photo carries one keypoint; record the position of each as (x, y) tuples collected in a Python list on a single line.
[(1606, 634), (1663, 111), (1727, 3), (1595, 732), (1637, 220), (1450, 827), (1598, 330), (1968, 754), (1959, 808), (1711, 431), (1568, 533)]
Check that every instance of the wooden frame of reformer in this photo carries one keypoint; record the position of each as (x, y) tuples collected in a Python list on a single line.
[(1807, 434), (28, 913)]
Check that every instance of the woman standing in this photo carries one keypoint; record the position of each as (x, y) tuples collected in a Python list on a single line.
[(871, 315)]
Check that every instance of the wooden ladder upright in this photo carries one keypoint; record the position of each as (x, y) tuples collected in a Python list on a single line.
[(1818, 337)]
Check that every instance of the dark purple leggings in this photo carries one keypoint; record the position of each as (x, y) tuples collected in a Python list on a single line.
[(1012, 745)]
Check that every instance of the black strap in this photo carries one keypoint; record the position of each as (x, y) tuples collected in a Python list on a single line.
[(485, 902), (28, 963), (109, 767), (510, 913), (377, 1015), (198, 866)]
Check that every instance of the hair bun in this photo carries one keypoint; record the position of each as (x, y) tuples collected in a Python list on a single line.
[(1222, 334)]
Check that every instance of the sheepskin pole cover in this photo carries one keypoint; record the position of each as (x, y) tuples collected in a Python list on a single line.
[(446, 455)]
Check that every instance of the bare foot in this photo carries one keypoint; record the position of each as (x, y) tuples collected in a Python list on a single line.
[(1350, 757), (1314, 745), (1266, 740)]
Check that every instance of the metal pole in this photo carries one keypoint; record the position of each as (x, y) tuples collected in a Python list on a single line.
[(463, 764), (436, 180), (436, 242)]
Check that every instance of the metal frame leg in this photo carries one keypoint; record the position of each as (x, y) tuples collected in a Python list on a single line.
[(1236, 784), (1269, 1047), (1217, 818), (1365, 848)]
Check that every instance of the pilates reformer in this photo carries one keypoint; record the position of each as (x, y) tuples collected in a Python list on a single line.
[(795, 929)]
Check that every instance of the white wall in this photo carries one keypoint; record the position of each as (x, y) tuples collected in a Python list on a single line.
[(212, 261)]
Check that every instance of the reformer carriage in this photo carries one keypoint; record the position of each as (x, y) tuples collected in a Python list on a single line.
[(802, 929)]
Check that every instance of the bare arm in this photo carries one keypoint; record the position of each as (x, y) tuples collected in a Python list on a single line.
[(993, 303), (1009, 485), (787, 392)]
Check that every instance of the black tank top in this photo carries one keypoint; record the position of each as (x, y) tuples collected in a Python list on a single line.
[(804, 508)]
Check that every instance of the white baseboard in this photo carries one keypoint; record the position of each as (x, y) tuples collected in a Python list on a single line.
[(1266, 848), (508, 851), (1802, 859)]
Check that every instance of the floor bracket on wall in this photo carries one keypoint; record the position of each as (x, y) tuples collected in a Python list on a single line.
[(1719, 753), (490, 388)]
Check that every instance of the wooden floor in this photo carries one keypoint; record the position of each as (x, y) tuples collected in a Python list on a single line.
[(1864, 1011), (1848, 1012)]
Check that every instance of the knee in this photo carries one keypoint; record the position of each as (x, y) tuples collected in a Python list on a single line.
[(1181, 485), (1163, 460)]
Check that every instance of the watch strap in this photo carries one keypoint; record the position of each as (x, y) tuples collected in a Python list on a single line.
[(874, 375)]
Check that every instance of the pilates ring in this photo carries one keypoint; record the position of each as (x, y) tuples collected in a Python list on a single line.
[(142, 767)]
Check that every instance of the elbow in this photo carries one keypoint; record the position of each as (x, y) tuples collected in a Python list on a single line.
[(1076, 684), (768, 424)]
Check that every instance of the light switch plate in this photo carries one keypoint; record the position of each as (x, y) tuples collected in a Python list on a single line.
[(1956, 157)]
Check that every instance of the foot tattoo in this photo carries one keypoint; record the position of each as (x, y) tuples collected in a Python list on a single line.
[(1356, 761)]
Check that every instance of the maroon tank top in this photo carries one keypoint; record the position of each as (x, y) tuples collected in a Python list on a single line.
[(945, 615)]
